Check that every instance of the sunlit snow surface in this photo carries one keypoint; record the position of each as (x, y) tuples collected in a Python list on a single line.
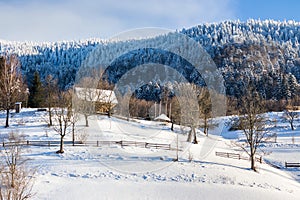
[(115, 172)]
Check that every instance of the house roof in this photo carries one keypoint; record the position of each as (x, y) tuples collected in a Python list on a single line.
[(96, 95)]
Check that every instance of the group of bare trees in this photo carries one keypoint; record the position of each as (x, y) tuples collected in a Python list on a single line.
[(253, 122), (16, 178), (13, 89), (192, 107), (63, 105), (87, 98), (250, 109)]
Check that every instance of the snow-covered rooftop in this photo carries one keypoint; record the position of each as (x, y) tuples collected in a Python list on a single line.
[(162, 117), (96, 95)]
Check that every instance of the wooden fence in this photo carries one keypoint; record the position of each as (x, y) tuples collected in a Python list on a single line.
[(287, 164), (97, 143), (237, 156)]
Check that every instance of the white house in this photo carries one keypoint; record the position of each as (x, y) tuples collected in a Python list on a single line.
[(105, 100)]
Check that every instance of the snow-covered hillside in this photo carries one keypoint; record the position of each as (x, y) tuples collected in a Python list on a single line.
[(115, 172)]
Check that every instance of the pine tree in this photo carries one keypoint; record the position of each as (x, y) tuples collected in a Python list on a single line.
[(36, 92), (292, 81)]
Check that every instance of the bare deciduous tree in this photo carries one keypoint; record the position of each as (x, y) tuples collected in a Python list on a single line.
[(187, 97), (51, 91), (290, 116), (84, 100), (82, 136), (123, 103), (16, 180), (252, 122), (63, 115), (73, 120), (10, 83), (290, 113)]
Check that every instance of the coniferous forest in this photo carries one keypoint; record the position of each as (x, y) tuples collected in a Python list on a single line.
[(264, 54)]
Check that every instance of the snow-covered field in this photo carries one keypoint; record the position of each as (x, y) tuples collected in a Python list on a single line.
[(115, 172)]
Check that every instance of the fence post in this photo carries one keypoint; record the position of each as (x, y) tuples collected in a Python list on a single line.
[(48, 143), (27, 142), (3, 144), (227, 155), (239, 156), (260, 159), (97, 143)]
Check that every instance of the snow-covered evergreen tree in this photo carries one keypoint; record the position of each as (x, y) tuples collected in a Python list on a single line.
[(261, 51)]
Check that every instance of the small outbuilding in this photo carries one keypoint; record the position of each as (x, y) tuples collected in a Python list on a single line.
[(18, 106)]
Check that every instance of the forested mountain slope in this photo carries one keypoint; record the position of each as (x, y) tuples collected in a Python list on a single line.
[(265, 53)]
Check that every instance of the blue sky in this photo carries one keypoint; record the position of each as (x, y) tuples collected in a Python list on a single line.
[(56, 20), (268, 9)]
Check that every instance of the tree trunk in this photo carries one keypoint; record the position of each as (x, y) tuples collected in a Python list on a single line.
[(109, 113), (205, 126), (7, 118), (73, 134), (252, 162), (195, 136), (292, 126), (86, 121), (12, 179), (189, 139), (159, 108), (61, 148), (252, 157), (50, 116)]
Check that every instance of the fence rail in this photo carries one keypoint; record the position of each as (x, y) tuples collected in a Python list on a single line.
[(287, 164), (237, 156), (97, 143)]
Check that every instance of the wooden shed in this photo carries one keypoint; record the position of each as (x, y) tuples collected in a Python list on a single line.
[(18, 106)]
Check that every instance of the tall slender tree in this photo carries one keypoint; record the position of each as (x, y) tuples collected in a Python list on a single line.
[(50, 95), (11, 83), (63, 116)]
